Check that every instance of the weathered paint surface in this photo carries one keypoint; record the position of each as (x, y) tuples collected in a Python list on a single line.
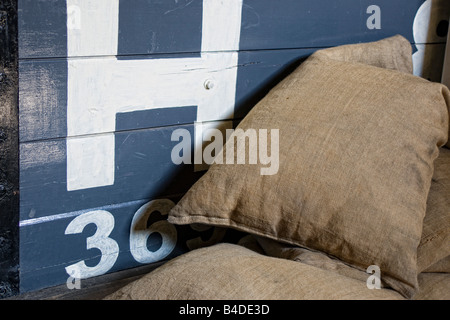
[(104, 83)]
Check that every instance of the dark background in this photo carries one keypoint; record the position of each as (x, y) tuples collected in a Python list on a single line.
[(9, 150)]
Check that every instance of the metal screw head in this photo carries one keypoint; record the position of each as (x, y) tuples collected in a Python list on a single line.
[(209, 84)]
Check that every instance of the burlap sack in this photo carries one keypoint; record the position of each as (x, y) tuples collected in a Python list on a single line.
[(232, 272), (356, 151)]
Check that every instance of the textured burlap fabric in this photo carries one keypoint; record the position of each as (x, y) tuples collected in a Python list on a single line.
[(433, 254), (434, 246), (316, 259), (356, 152), (395, 53), (434, 286), (442, 266), (232, 272), (391, 53)]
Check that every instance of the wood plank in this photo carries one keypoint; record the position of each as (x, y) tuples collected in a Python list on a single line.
[(143, 169), (42, 28), (59, 101), (104, 240), (264, 25), (148, 27), (42, 99), (43, 93), (46, 249), (312, 24)]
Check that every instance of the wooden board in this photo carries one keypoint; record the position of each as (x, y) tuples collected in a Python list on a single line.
[(105, 84), (92, 242), (148, 27)]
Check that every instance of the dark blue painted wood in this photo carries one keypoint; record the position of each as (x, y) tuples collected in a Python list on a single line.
[(144, 170), (175, 26), (148, 26), (43, 259), (42, 28), (321, 23), (155, 118), (42, 99)]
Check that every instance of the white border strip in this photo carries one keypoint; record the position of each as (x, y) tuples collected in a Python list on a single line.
[(30, 222)]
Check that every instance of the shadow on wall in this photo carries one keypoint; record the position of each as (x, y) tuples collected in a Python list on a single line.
[(9, 168), (430, 35)]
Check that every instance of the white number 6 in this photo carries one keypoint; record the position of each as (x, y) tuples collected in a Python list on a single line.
[(100, 240), (139, 232)]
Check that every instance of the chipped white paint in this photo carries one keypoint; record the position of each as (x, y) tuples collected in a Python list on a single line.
[(101, 87)]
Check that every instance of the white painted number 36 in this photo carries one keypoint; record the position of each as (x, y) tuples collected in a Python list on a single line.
[(139, 233)]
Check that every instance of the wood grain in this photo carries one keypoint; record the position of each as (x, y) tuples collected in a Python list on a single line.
[(138, 75)]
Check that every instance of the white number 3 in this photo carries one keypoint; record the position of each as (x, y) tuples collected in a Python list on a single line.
[(100, 240)]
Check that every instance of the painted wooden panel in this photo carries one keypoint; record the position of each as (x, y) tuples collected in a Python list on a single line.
[(43, 94), (146, 26), (42, 99), (104, 84), (42, 28), (95, 241), (304, 23), (143, 170)]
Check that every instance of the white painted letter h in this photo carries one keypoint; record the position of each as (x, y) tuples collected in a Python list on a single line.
[(100, 86)]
